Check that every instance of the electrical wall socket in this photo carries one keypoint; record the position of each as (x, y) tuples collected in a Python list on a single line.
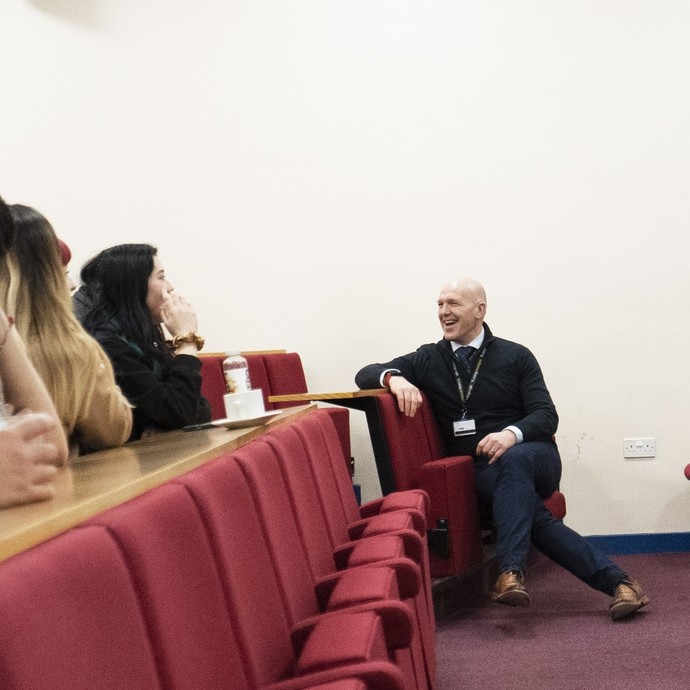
[(639, 448)]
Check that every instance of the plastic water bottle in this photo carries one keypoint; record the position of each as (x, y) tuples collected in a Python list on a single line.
[(236, 373)]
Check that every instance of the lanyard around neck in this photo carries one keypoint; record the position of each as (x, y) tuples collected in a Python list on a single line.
[(465, 396)]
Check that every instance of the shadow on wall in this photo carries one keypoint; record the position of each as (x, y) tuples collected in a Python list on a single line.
[(87, 13)]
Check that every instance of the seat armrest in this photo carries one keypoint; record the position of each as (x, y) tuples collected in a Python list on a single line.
[(376, 675), (398, 500), (397, 619), (451, 486), (556, 504), (408, 573), (394, 519)]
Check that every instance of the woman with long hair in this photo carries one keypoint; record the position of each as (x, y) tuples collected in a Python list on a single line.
[(124, 302), (32, 442), (75, 369)]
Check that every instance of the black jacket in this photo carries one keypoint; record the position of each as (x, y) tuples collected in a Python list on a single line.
[(509, 390), (81, 303), (165, 391)]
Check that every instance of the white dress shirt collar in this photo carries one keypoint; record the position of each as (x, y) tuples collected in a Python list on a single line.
[(476, 343)]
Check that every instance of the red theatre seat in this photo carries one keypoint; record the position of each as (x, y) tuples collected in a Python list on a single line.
[(166, 546), (305, 503), (286, 376), (418, 461), (354, 540), (71, 618), (213, 383), (284, 538), (226, 577), (352, 644), (275, 373)]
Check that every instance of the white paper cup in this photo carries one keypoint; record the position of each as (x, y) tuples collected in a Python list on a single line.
[(245, 405)]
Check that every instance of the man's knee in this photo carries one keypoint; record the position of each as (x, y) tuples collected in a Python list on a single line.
[(539, 461), (518, 458)]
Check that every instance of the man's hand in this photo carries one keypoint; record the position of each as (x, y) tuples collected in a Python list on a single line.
[(494, 445), (27, 461), (409, 397)]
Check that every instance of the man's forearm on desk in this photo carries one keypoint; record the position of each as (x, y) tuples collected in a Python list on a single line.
[(370, 376)]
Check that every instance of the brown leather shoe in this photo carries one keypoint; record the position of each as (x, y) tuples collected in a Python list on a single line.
[(627, 598), (510, 589)]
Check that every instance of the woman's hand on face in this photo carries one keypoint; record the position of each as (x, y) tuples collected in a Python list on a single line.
[(179, 316)]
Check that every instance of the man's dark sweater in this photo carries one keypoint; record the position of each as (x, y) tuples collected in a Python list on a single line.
[(509, 390)]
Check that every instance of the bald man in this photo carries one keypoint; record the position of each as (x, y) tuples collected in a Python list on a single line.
[(490, 401)]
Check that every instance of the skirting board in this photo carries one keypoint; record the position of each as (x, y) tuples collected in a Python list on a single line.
[(622, 544)]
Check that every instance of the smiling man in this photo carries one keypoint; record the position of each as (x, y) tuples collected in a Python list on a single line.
[(490, 401)]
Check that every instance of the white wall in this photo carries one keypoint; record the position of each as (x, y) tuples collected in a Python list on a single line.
[(314, 170)]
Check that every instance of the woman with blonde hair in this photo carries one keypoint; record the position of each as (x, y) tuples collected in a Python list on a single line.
[(32, 443), (73, 366)]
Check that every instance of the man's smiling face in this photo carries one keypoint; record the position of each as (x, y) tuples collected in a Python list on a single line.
[(461, 310)]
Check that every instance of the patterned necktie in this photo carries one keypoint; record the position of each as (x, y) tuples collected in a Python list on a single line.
[(464, 356)]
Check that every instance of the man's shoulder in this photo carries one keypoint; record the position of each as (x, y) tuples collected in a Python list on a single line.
[(504, 342), (434, 349), (509, 349), (438, 345)]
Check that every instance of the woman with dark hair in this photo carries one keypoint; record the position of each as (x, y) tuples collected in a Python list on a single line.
[(74, 368), (124, 301)]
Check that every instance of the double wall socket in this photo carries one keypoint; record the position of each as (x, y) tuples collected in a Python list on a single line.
[(639, 447)]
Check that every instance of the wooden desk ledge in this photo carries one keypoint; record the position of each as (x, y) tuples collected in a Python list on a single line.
[(323, 397), (93, 483)]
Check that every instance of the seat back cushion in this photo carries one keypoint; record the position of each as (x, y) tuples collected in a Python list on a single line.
[(258, 377), (247, 574), (263, 474), (213, 383), (299, 481), (285, 375), (71, 618), (408, 444), (168, 552)]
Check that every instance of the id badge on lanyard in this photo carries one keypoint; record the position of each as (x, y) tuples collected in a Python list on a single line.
[(465, 426)]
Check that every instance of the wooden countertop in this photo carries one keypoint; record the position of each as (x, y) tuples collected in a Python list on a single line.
[(93, 483), (328, 397)]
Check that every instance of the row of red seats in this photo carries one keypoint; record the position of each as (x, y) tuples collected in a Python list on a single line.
[(256, 570)]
